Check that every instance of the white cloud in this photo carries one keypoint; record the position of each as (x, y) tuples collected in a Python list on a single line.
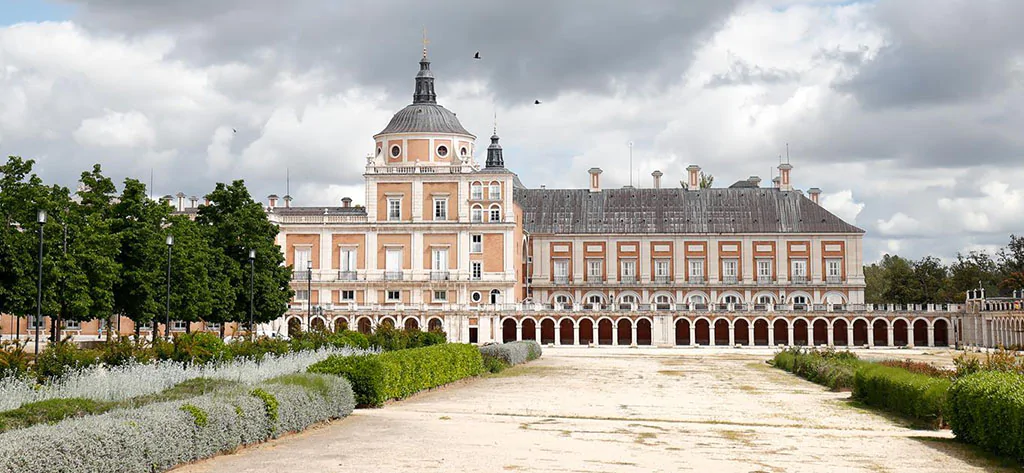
[(842, 204), (116, 130)]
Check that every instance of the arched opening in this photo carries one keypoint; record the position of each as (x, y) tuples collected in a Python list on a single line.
[(495, 296), (899, 333), (628, 302), (317, 324), (508, 331), (881, 329), (741, 332), (387, 322), (702, 332), (920, 333), (412, 324), (294, 327), (562, 301), (682, 332), (941, 333), (605, 332), (340, 324), (365, 326), (586, 331), (643, 332), (839, 329), (662, 302), (547, 331), (529, 329), (565, 329), (624, 331), (761, 332), (722, 332), (820, 333), (435, 325), (781, 329), (800, 332), (860, 332)]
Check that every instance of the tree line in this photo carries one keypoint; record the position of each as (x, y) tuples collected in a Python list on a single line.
[(928, 280), (105, 253)]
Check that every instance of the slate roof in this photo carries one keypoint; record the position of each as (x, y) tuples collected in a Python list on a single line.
[(425, 118), (351, 211), (743, 210)]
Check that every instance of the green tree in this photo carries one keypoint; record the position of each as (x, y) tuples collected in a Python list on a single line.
[(235, 224), (706, 180), (930, 280), (970, 270), (874, 281), (138, 221), (1011, 265), (899, 287), (200, 284)]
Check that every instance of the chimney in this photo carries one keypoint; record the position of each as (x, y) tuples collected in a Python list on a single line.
[(784, 169), (814, 192), (756, 181), (194, 200), (657, 179), (272, 201), (694, 181), (287, 201), (167, 199), (775, 182), (181, 201), (595, 179), (346, 202), (542, 186)]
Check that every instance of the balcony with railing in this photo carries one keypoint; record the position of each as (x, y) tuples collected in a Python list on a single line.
[(662, 279), (696, 279), (765, 280), (560, 279), (394, 275), (595, 279), (437, 276), (798, 279), (348, 276), (834, 279), (627, 279), (304, 275), (730, 279)]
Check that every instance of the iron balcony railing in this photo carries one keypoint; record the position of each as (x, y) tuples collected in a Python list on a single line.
[(696, 279), (831, 279), (347, 276), (627, 279), (799, 279), (560, 279), (764, 280), (301, 275), (730, 279), (440, 276), (394, 275), (662, 278)]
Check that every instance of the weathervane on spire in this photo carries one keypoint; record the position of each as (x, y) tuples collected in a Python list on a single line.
[(425, 43), (495, 120)]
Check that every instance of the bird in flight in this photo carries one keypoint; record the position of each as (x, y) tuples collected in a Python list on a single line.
[(536, 102), (477, 55), (234, 130)]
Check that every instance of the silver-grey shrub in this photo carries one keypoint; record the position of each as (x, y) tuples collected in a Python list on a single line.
[(160, 436), (513, 353)]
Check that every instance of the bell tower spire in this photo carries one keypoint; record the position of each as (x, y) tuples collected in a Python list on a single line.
[(424, 78)]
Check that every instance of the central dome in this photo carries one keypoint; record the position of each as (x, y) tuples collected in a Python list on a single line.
[(425, 118)]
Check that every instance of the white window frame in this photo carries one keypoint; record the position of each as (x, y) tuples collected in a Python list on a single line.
[(212, 326), (476, 213), (350, 292), (764, 268), (443, 296), (394, 209), (476, 246), (628, 267), (494, 191), (72, 325), (439, 259), (476, 270), (389, 295), (440, 208), (560, 267), (730, 268), (299, 295), (301, 257), (661, 266), (494, 213), (800, 299), (799, 268), (595, 268), (834, 268), (494, 296), (347, 259), (476, 191), (178, 325), (696, 267), (393, 263)]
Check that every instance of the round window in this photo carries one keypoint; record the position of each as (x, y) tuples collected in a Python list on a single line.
[(475, 297), (442, 151), (395, 151)]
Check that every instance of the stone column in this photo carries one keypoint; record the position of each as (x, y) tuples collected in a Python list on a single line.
[(519, 331), (750, 334), (576, 333), (910, 334), (732, 334), (693, 333), (891, 338), (831, 335), (849, 334), (771, 334), (633, 342), (871, 334), (789, 329), (711, 334), (558, 333), (594, 339), (536, 329), (931, 336)]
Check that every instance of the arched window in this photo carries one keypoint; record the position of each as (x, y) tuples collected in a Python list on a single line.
[(463, 152), (698, 299), (476, 191), (731, 299), (798, 299), (495, 213), (595, 301), (662, 302), (563, 300), (765, 299), (476, 214), (494, 191), (495, 296), (628, 302)]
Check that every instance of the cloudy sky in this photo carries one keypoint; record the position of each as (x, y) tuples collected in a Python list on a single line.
[(907, 113)]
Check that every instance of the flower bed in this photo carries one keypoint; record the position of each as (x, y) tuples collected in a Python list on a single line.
[(161, 436), (497, 357), (398, 374), (897, 390), (987, 409)]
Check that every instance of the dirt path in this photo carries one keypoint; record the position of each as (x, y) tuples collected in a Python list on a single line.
[(604, 410)]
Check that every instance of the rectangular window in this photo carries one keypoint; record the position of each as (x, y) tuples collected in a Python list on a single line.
[(347, 259), (393, 259), (33, 322), (213, 327), (301, 295), (697, 269), (661, 268), (394, 208), (394, 296), (476, 215), (561, 269), (494, 192), (730, 268), (440, 296), (178, 325), (799, 268), (476, 192), (146, 326), (476, 243), (302, 258), (440, 208), (833, 270), (439, 259), (629, 268), (72, 325), (476, 269), (348, 296), (595, 269), (764, 270)]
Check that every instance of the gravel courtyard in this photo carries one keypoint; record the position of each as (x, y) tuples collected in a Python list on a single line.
[(605, 410)]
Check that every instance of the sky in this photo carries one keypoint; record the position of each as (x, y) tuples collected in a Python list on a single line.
[(906, 113)]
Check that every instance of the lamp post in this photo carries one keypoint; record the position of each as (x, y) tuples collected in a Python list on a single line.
[(309, 293), (167, 315), (41, 218), (252, 287)]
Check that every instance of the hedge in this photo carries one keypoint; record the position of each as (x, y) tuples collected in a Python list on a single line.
[(831, 368), (163, 435), (500, 356), (897, 390), (987, 409), (401, 373)]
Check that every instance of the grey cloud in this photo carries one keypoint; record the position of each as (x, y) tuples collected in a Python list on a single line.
[(743, 73)]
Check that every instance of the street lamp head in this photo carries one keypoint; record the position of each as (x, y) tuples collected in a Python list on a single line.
[(309, 265), (252, 254), (41, 216), (170, 240)]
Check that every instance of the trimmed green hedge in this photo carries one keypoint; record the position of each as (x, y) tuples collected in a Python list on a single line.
[(897, 390), (987, 409), (398, 374), (831, 368)]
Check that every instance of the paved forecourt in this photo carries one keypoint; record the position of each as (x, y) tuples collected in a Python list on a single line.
[(631, 410)]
